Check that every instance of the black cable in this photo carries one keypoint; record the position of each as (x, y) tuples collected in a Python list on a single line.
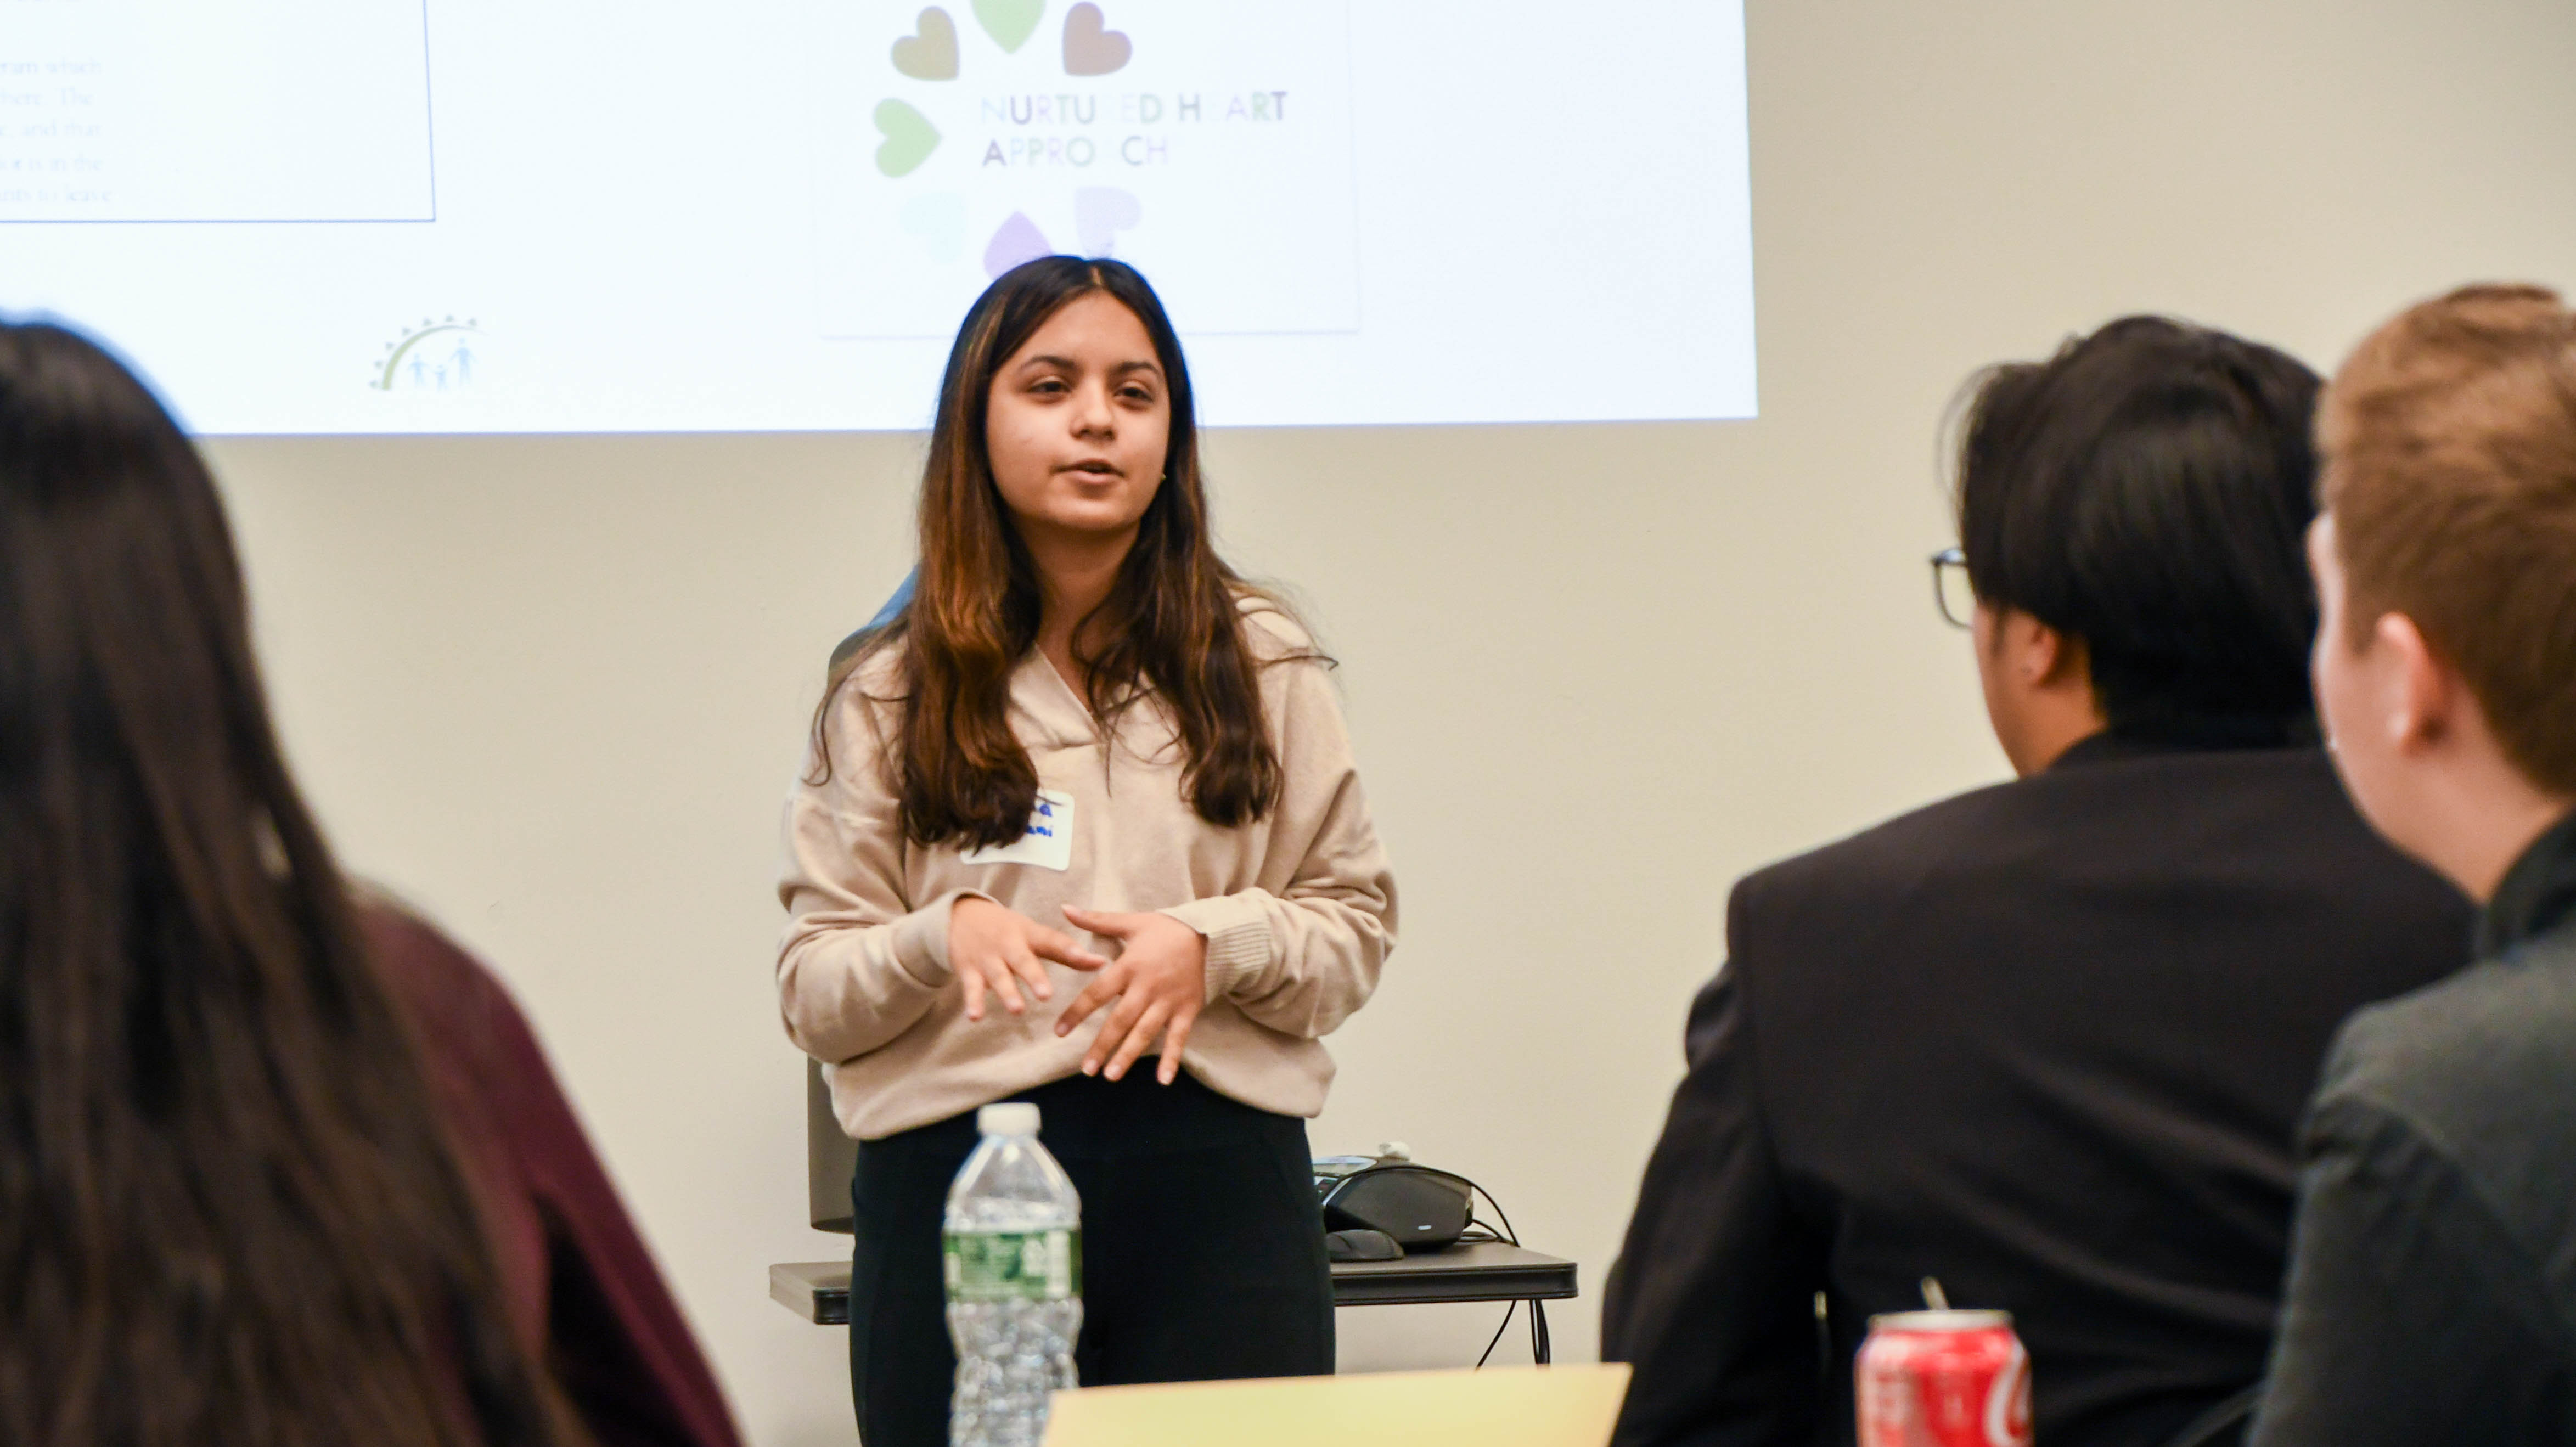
[(1538, 1315), (1545, 1351), (1539, 1319), (1498, 1334)]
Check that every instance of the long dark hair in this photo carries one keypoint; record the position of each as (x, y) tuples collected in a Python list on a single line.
[(1172, 622), (227, 1213)]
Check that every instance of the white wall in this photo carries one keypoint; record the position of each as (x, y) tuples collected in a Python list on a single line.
[(553, 687)]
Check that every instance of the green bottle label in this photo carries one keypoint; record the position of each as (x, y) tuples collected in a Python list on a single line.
[(1013, 1265)]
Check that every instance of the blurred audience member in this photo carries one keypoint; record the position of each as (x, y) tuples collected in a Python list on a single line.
[(2433, 1296), (2048, 1041), (580, 1283), (258, 1144)]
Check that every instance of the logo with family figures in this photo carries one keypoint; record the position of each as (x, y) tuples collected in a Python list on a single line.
[(435, 356), (1089, 49)]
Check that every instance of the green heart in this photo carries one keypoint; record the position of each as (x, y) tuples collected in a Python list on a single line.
[(1010, 22), (909, 138)]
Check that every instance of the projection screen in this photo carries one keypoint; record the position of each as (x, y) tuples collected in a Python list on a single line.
[(406, 216)]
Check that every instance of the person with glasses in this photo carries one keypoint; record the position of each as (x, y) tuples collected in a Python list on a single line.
[(2048, 1041)]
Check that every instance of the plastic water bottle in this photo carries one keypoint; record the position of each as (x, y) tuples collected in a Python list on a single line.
[(1013, 1250)]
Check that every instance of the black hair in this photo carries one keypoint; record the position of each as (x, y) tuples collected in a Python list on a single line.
[(2148, 491)]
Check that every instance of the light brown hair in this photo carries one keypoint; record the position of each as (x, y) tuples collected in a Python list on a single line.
[(2450, 467)]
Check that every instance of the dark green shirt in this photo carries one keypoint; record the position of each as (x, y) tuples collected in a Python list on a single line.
[(2432, 1292)]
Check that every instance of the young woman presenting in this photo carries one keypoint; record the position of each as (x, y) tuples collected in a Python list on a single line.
[(1081, 827)]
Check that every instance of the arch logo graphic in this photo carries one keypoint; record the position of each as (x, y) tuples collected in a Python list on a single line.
[(435, 356)]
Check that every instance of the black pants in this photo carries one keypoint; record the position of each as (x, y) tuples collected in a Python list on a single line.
[(1202, 1248)]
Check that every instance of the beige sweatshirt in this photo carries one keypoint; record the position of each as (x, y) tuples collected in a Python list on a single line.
[(1298, 907)]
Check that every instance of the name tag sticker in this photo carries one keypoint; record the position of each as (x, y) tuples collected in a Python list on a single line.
[(1047, 845)]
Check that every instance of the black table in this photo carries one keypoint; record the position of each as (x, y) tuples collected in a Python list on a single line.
[(819, 1291), (1476, 1271)]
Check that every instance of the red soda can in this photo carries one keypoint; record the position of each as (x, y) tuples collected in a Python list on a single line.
[(1942, 1379)]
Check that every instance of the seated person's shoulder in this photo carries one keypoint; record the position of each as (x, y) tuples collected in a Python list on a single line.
[(2122, 816), (1961, 833), (428, 971), (2471, 1080), (471, 1032), (2493, 1045)]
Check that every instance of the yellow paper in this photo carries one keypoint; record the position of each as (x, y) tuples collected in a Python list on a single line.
[(1572, 1406)]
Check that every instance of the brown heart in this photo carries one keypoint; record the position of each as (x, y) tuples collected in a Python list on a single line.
[(932, 54), (1089, 49)]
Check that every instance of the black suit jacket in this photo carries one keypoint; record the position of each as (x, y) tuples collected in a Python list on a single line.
[(2047, 1042)]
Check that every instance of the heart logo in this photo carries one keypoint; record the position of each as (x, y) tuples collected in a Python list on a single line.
[(909, 138), (1019, 240), (931, 54), (1089, 49), (1099, 214), (1010, 22)]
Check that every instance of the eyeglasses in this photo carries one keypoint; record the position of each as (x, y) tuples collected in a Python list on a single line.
[(1951, 590)]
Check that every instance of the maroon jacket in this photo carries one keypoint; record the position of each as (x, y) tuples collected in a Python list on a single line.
[(583, 1290)]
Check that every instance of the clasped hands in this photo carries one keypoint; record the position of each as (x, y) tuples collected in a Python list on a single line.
[(1159, 979)]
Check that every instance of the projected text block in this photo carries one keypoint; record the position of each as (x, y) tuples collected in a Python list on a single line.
[(214, 110)]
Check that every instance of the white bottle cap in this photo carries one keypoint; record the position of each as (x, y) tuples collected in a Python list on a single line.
[(1010, 1117)]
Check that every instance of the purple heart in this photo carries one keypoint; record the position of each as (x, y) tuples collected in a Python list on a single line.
[(1018, 241)]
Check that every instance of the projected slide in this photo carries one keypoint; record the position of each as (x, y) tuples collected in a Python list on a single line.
[(350, 216)]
